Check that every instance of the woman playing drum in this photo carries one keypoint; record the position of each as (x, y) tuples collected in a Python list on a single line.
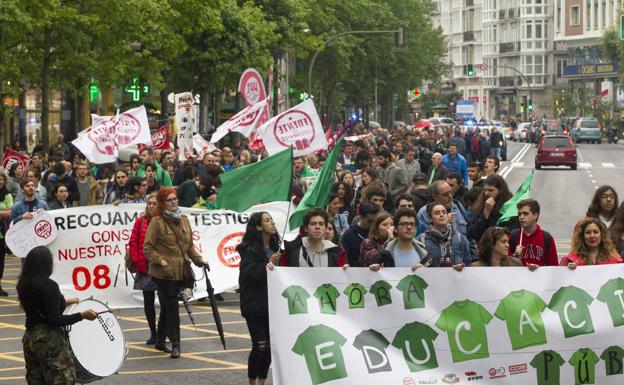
[(46, 351)]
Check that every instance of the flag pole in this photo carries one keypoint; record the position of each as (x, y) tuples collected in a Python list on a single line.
[(292, 172)]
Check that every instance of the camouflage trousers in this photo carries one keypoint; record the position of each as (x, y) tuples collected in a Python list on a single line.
[(48, 357)]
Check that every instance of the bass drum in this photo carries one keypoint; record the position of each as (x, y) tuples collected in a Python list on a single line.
[(98, 347)]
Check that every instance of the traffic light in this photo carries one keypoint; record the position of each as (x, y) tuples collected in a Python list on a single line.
[(522, 107), (470, 70), (530, 106)]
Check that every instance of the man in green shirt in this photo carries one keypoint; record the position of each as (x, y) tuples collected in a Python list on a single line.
[(373, 346), (613, 357), (321, 347), (584, 362), (522, 311), (297, 299), (413, 288), (548, 365), (464, 321), (355, 295), (381, 290), (416, 342), (327, 295), (612, 293), (572, 305), (147, 156)]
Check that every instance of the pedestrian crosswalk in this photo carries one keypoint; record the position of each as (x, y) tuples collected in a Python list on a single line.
[(599, 165)]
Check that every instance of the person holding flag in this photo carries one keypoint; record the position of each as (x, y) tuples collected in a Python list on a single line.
[(532, 245)]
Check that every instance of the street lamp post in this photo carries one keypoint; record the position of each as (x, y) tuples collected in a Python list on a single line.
[(398, 31), (523, 78)]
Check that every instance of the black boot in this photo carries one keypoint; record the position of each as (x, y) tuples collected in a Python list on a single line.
[(175, 343), (153, 339), (162, 345), (3, 293)]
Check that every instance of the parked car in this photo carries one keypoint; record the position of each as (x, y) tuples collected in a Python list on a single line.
[(555, 150), (586, 130)]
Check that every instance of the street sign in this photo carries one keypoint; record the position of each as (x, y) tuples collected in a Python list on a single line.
[(483, 66)]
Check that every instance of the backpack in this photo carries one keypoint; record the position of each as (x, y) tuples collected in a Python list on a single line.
[(474, 143)]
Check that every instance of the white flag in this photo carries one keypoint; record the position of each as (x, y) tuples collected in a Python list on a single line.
[(107, 134), (202, 146), (246, 121), (299, 127), (185, 122)]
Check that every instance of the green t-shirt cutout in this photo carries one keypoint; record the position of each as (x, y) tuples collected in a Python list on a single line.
[(584, 362), (548, 366), (572, 305), (413, 288), (613, 357), (381, 290), (464, 321), (522, 310), (327, 295), (355, 295), (373, 346), (297, 299), (321, 347), (612, 293), (416, 342)]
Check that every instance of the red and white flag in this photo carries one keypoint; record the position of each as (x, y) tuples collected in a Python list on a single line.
[(11, 156), (245, 122), (160, 138), (299, 127), (251, 87), (107, 134), (202, 146)]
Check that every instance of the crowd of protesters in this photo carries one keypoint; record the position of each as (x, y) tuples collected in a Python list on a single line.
[(405, 197)]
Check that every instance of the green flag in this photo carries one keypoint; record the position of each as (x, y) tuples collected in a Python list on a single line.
[(318, 196), (509, 209), (266, 181)]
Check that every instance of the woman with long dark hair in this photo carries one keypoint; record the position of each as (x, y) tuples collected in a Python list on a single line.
[(168, 245), (136, 191), (15, 174), (46, 350), (604, 205), (142, 280), (591, 245), (6, 203), (60, 193), (616, 231), (493, 249), (259, 250), (371, 249), (345, 193), (487, 209)]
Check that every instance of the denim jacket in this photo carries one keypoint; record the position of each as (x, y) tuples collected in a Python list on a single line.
[(20, 208)]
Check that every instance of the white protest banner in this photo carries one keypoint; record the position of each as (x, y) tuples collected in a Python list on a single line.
[(91, 244), (246, 121), (438, 326), (355, 138), (202, 146), (11, 156), (107, 134), (185, 122), (27, 234), (299, 127)]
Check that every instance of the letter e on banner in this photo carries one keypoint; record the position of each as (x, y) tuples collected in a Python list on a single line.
[(226, 251)]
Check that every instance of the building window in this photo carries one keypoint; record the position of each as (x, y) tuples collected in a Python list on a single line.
[(575, 15)]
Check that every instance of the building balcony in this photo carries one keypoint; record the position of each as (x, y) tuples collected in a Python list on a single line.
[(511, 47), (469, 36), (469, 3)]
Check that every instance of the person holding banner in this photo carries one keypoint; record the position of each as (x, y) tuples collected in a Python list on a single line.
[(47, 354), (259, 250), (168, 246), (29, 204), (142, 280), (6, 203), (591, 245)]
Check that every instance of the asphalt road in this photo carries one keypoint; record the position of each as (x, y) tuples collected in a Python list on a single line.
[(564, 196)]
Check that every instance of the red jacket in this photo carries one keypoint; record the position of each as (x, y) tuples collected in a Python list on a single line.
[(573, 257), (534, 248), (137, 238)]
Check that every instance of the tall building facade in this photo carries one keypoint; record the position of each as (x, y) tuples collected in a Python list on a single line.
[(460, 21)]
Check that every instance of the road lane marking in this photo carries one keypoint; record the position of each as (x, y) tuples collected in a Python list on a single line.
[(585, 165), (608, 165), (517, 164), (189, 356), (12, 369), (4, 325), (11, 358)]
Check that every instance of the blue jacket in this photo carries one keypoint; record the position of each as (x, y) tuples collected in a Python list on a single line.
[(456, 164), (20, 208), (461, 219), (460, 249)]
